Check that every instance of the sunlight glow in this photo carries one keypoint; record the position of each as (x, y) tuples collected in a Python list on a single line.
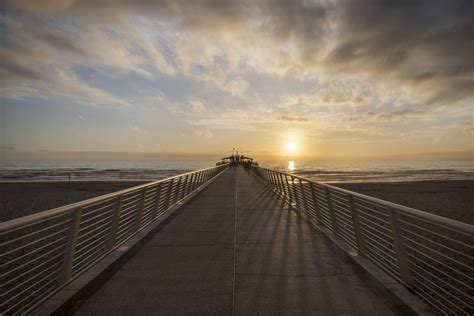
[(291, 147), (291, 165)]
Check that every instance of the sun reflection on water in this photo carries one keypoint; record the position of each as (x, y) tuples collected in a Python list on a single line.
[(291, 165)]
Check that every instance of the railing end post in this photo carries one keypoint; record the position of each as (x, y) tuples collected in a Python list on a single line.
[(70, 247), (402, 258)]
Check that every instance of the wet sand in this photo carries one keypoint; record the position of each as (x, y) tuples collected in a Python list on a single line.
[(452, 199)]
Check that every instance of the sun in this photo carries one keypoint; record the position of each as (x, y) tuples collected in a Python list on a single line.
[(291, 147)]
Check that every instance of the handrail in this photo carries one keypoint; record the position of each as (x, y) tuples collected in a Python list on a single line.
[(42, 252), (431, 255), (467, 228), (11, 224)]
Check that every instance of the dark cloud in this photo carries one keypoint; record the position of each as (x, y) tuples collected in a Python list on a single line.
[(340, 98), (63, 43), (400, 113), (3, 147), (386, 116), (425, 44), (11, 68)]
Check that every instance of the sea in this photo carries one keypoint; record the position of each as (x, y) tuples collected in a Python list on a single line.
[(323, 171)]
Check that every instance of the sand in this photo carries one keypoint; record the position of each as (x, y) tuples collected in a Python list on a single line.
[(19, 199), (452, 199)]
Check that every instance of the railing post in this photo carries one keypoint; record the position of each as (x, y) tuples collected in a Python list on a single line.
[(199, 179), (402, 258), (275, 181), (168, 194), (280, 182), (295, 193), (140, 210), (70, 248), (196, 181), (283, 185), (357, 225), (185, 187), (190, 185), (115, 223), (315, 203), (204, 176), (176, 196), (269, 178), (158, 197), (288, 187), (332, 214), (303, 193)]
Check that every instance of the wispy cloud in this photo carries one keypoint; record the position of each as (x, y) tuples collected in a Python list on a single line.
[(424, 45), (388, 116), (203, 133), (293, 119), (138, 130), (250, 65), (197, 106)]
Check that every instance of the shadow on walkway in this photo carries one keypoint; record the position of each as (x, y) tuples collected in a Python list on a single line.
[(281, 264)]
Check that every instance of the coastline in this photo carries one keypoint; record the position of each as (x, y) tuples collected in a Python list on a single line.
[(449, 198), (453, 199)]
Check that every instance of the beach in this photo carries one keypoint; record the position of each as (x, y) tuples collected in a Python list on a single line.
[(452, 199), (19, 199)]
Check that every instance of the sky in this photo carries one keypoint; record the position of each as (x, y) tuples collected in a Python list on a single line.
[(319, 79)]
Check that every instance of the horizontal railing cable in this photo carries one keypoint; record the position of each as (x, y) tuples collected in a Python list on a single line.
[(430, 255), (40, 253)]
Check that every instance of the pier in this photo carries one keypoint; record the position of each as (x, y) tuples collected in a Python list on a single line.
[(238, 241), (236, 249)]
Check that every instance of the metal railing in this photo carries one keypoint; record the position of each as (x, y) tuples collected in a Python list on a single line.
[(42, 252), (430, 255)]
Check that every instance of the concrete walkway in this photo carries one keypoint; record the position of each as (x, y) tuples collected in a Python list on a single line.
[(236, 249)]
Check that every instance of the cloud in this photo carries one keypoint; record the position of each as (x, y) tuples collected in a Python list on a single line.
[(468, 128), (425, 45), (387, 116), (293, 119), (138, 130), (360, 135), (203, 133), (6, 147), (62, 43), (419, 50), (197, 106), (236, 87)]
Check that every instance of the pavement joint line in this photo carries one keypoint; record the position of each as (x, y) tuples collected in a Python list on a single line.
[(235, 241), (301, 275), (70, 298), (373, 274)]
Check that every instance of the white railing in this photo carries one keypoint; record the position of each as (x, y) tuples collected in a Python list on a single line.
[(430, 255), (42, 252)]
